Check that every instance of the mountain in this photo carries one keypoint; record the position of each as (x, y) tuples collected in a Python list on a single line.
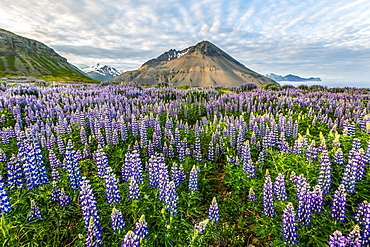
[(102, 72), (291, 78), (20, 56), (203, 64)]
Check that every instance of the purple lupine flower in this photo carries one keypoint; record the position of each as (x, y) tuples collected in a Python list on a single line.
[(3, 157), (193, 179), (354, 237), (133, 167), (143, 135), (71, 165), (171, 197), (311, 151), (201, 227), (55, 194), (338, 208), (163, 179), (362, 217), (89, 210), (324, 176), (337, 240), (63, 198), (175, 176), (153, 171), (182, 174), (214, 212), (111, 187), (351, 174), (83, 136), (133, 189), (338, 157), (211, 151), (5, 205), (290, 225), (197, 150), (305, 202), (130, 240), (61, 146), (118, 222), (317, 199), (268, 199), (279, 188), (141, 228), (35, 212), (15, 173), (101, 160), (249, 168), (252, 195), (94, 237)]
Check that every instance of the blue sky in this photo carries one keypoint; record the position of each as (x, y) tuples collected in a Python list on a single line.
[(327, 38)]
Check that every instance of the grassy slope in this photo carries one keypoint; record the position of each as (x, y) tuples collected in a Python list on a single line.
[(40, 67)]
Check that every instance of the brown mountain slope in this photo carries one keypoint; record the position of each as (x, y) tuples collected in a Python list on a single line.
[(201, 65)]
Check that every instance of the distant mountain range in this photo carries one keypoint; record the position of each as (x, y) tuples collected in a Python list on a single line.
[(101, 72), (203, 64), (290, 78), (20, 56)]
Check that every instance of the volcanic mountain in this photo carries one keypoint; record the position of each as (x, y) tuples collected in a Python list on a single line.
[(201, 65), (20, 56)]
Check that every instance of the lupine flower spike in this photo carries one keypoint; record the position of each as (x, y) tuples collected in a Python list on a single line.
[(214, 213), (289, 225)]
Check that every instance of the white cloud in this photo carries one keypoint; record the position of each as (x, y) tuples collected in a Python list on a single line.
[(305, 36)]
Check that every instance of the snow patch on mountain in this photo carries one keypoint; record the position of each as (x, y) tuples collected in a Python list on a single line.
[(102, 72)]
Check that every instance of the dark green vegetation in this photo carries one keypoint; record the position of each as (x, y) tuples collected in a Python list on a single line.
[(220, 117)]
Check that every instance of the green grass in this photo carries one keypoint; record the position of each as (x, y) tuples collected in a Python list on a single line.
[(11, 61)]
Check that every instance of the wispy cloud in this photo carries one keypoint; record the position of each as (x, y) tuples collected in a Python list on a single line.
[(309, 38)]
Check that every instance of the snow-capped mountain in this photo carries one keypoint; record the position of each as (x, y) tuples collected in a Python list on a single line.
[(101, 72), (290, 77)]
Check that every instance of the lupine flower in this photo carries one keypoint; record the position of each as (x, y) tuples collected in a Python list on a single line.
[(211, 151), (5, 205), (3, 157), (35, 211), (118, 222), (171, 198), (175, 174), (163, 179), (354, 237), (362, 217), (111, 187), (197, 150), (201, 227), (55, 194), (193, 179), (279, 188), (181, 174), (305, 202), (214, 213), (268, 199), (88, 207), (289, 225), (338, 208), (317, 199), (252, 195), (153, 171), (133, 189), (71, 164), (130, 240), (338, 157), (15, 173), (141, 228), (63, 198), (101, 160), (337, 240), (94, 237), (324, 177)]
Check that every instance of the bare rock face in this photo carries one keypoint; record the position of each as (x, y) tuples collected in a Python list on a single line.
[(26, 57), (201, 65)]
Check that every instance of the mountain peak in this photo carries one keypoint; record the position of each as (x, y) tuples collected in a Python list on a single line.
[(102, 72), (203, 64)]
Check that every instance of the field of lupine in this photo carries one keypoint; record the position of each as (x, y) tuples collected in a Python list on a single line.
[(125, 165)]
